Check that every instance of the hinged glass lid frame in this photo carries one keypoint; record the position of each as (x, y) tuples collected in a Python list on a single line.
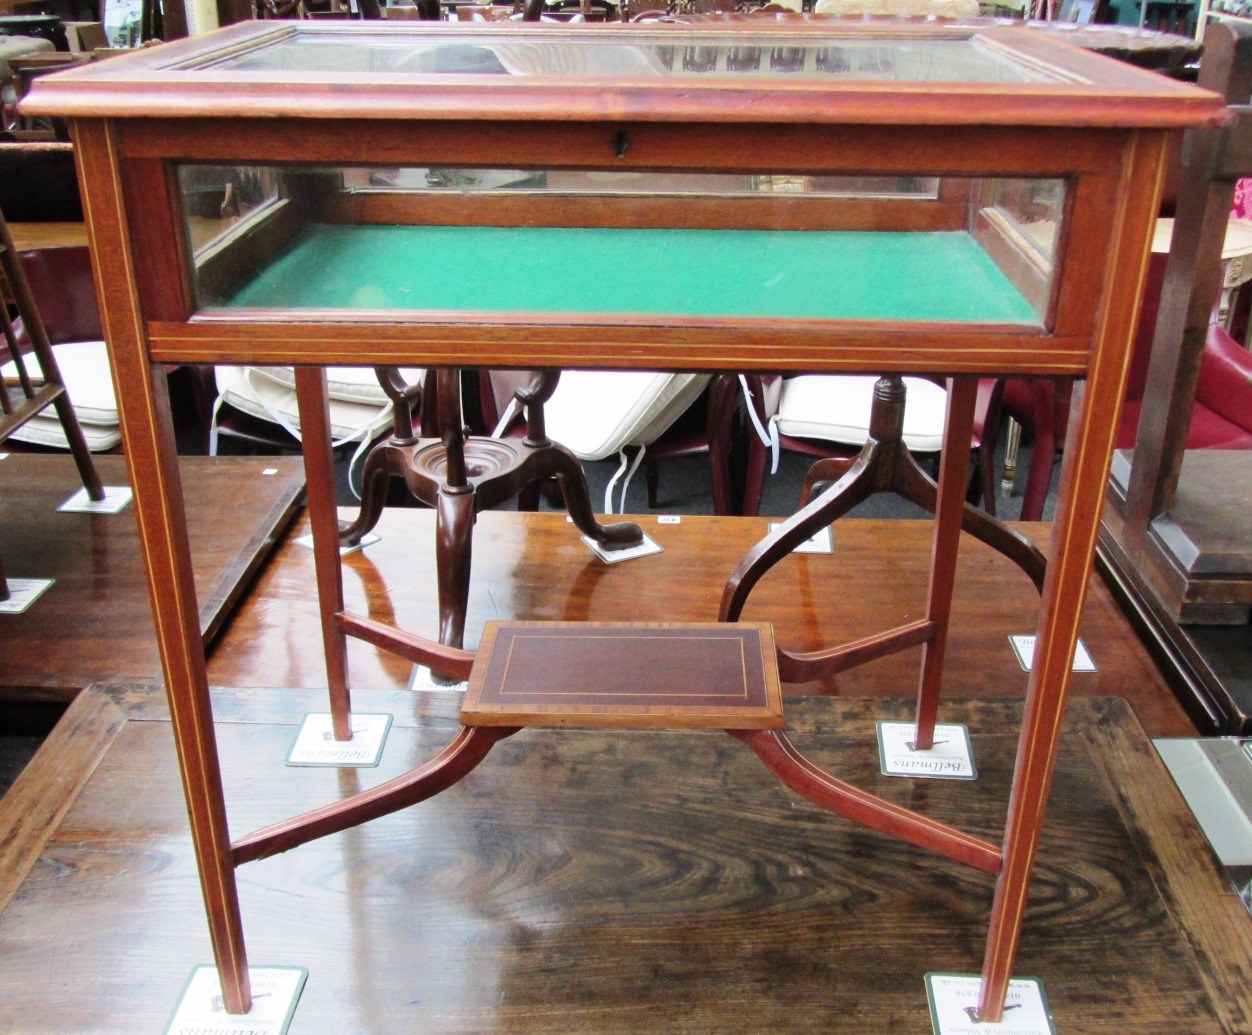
[(914, 73)]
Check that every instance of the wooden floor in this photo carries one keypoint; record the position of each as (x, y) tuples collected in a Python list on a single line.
[(535, 567), (605, 882), (96, 621)]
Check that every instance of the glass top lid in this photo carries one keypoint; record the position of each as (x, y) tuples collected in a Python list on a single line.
[(589, 55)]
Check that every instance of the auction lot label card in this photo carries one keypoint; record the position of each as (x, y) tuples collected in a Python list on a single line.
[(23, 593), (1024, 647), (116, 499), (648, 547), (954, 1003), (316, 744), (950, 757), (821, 541), (200, 1009)]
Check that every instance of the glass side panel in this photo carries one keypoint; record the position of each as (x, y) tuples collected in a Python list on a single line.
[(219, 200), (1033, 208), (914, 59), (441, 242)]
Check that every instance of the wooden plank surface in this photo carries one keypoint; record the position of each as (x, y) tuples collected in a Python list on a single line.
[(47, 235), (95, 622), (533, 567), (605, 882)]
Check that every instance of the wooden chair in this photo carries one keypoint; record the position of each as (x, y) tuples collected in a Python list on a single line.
[(883, 464), (829, 417), (256, 406), (62, 288), (1176, 536), (35, 394), (1040, 406)]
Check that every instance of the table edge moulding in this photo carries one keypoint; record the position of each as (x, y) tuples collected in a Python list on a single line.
[(1101, 126)]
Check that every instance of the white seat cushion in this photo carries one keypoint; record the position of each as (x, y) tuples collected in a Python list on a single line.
[(595, 413), (836, 408), (343, 384), (45, 430), (262, 396), (84, 367)]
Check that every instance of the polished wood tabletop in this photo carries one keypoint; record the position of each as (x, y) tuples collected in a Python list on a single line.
[(606, 882), (96, 620), (534, 567)]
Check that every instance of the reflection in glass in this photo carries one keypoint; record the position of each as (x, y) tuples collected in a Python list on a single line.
[(833, 60), (787, 59), (743, 59), (325, 53), (218, 200), (699, 59), (1033, 208)]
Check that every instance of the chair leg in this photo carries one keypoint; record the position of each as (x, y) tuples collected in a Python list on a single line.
[(454, 534), (652, 479), (953, 479), (754, 478), (823, 474), (78, 449), (1039, 477), (1012, 448), (851, 489), (720, 428), (569, 474), (374, 481)]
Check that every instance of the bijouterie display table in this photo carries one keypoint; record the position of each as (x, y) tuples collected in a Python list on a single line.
[(208, 166)]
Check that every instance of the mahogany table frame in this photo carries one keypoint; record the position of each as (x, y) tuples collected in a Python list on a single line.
[(1104, 127)]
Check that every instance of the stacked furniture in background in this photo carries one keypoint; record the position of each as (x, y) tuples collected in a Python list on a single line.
[(1177, 538), (34, 394), (61, 287)]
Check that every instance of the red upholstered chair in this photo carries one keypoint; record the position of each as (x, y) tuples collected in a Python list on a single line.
[(1221, 417), (1041, 407)]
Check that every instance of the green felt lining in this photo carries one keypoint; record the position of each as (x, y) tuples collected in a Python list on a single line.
[(734, 273)]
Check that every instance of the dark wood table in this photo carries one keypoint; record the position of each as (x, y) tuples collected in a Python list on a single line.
[(533, 566), (606, 882), (95, 622)]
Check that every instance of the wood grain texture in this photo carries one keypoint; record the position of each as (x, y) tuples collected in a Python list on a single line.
[(96, 621), (47, 235), (533, 567), (608, 882)]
